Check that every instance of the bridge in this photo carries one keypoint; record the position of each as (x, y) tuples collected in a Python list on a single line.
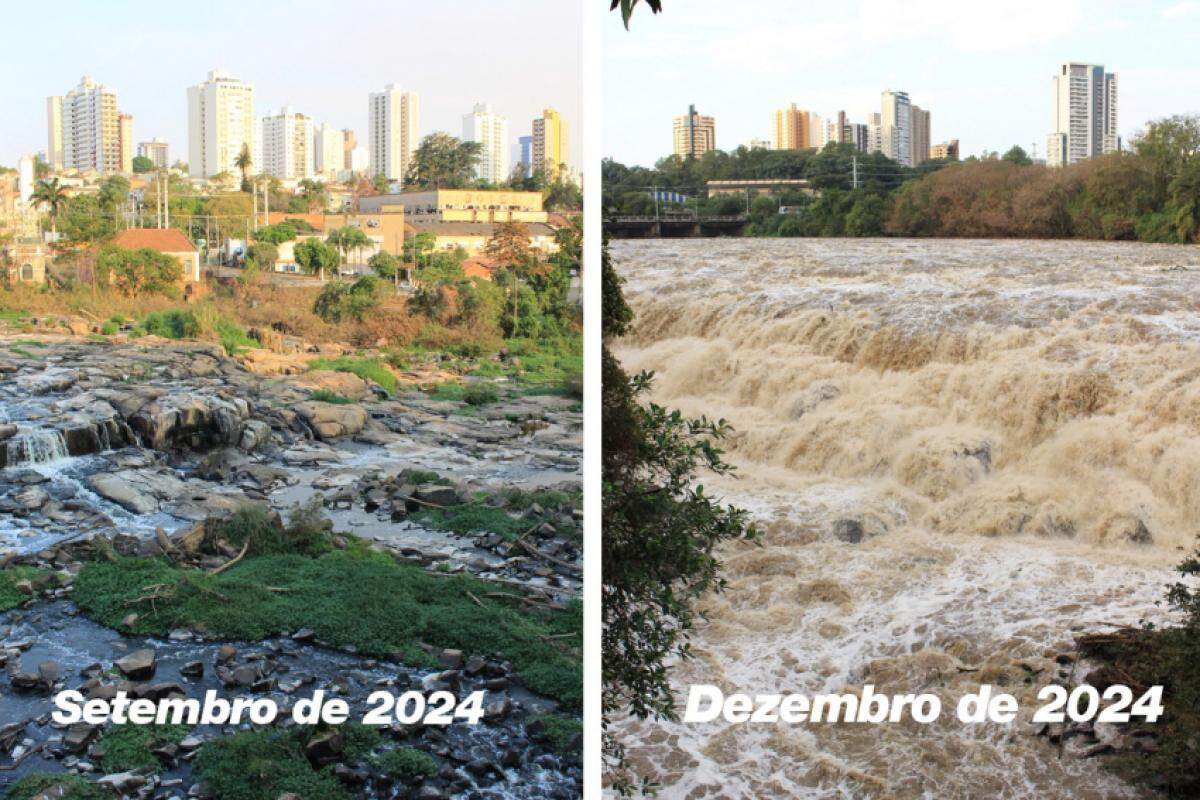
[(674, 226)]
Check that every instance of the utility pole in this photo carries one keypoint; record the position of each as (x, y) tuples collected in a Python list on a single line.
[(854, 167)]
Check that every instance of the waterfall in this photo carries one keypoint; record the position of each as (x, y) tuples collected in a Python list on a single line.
[(37, 447)]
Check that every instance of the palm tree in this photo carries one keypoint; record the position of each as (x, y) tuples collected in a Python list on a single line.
[(51, 194), (243, 162)]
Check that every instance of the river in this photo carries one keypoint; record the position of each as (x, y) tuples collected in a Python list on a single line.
[(960, 453)]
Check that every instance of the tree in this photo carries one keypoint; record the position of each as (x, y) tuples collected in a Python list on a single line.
[(444, 162), (276, 234), (627, 7), (51, 194), (314, 257), (1017, 155), (142, 164), (386, 266), (348, 238), (341, 300), (510, 247), (315, 195), (1185, 202), (85, 219), (660, 532), (418, 247), (135, 272), (243, 162), (380, 183)]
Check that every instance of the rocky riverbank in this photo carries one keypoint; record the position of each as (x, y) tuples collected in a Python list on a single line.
[(138, 455)]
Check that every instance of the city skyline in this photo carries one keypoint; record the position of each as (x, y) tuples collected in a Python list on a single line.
[(984, 73), (331, 91)]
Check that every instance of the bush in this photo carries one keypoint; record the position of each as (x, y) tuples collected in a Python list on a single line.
[(170, 325), (559, 732), (10, 595), (306, 534), (480, 394), (326, 396), (340, 300), (134, 272), (407, 764), (109, 328)]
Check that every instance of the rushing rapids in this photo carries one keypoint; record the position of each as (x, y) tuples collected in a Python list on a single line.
[(960, 454)]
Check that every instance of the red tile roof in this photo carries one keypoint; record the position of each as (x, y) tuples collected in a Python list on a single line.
[(164, 240)]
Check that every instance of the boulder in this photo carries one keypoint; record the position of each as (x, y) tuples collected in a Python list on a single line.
[(437, 494), (332, 420), (138, 665), (347, 384), (139, 491)]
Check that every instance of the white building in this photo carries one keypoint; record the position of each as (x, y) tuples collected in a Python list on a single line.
[(220, 123), (287, 145), (25, 180), (1084, 118), (896, 127), (84, 129), (156, 151), (874, 133), (330, 151), (360, 159), (394, 135), (490, 130)]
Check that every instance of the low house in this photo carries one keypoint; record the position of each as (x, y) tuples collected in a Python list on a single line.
[(171, 242), (24, 262)]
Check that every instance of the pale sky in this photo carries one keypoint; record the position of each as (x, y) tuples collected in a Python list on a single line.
[(323, 58), (982, 68)]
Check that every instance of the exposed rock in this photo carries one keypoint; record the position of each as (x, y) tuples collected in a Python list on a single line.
[(332, 420), (138, 665), (848, 530)]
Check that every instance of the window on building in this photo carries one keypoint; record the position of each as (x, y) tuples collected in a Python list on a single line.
[(27, 272)]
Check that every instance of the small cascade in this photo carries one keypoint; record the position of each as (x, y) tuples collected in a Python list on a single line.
[(43, 446)]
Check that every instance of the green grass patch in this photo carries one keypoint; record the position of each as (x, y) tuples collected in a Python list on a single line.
[(76, 788), (407, 764), (129, 746), (233, 337), (174, 324), (480, 394), (351, 597), (10, 595), (262, 765), (369, 369), (110, 328), (13, 315), (306, 533), (448, 391), (327, 396), (419, 476), (479, 517), (558, 731)]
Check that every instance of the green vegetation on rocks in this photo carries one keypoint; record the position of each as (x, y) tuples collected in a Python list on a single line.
[(74, 787), (263, 765), (10, 595), (369, 369), (407, 764), (348, 598), (128, 747), (557, 731)]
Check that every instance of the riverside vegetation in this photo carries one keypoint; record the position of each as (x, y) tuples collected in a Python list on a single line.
[(240, 493), (1150, 193)]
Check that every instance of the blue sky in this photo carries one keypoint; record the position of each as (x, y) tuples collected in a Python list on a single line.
[(983, 69), (323, 58)]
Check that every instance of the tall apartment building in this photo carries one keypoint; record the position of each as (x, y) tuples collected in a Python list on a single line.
[(348, 145), (695, 135), (550, 150), (394, 134), (1084, 118), (525, 154), (86, 131), (125, 126), (896, 126), (156, 151), (945, 150), (875, 133), (857, 134), (329, 151), (220, 123), (54, 128), (288, 145), (490, 130), (920, 135), (793, 128)]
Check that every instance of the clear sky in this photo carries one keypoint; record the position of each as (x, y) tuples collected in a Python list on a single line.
[(323, 58), (982, 68)]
